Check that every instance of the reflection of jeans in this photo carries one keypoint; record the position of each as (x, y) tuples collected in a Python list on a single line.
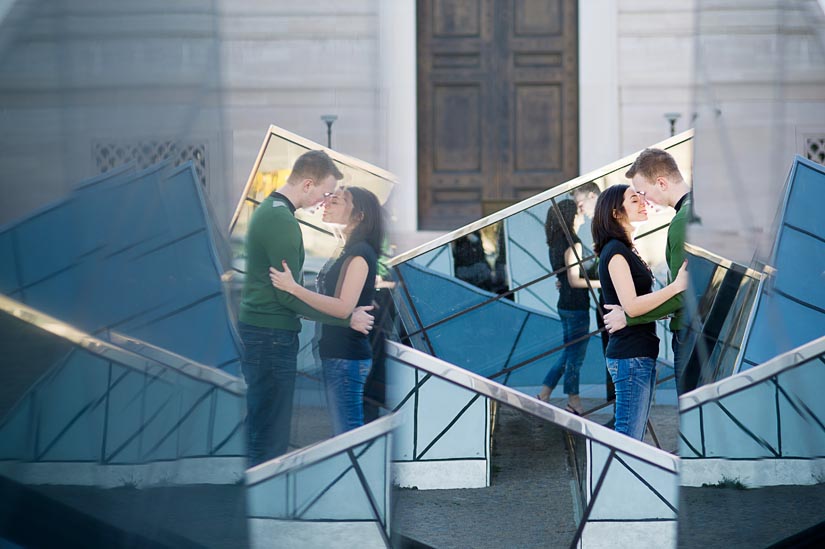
[(575, 325), (677, 344), (608, 381), (634, 379), (344, 380), (270, 358)]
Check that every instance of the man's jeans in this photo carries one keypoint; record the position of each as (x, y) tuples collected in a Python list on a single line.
[(634, 379), (677, 343), (344, 380), (576, 324), (270, 359)]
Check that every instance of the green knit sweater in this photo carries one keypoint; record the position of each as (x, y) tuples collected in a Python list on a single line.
[(675, 256), (274, 235)]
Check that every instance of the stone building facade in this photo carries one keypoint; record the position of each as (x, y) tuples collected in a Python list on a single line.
[(85, 84)]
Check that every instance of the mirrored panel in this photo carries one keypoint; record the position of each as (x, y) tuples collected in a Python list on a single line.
[(757, 438), (302, 402), (534, 476), (278, 153), (151, 269), (102, 441), (790, 308), (337, 491), (474, 460), (718, 306), (513, 295)]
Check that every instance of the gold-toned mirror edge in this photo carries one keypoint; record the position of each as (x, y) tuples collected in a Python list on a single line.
[(722, 261), (347, 160)]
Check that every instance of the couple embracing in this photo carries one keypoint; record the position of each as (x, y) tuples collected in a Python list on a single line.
[(626, 283)]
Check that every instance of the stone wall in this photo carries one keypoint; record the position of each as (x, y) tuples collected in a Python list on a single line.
[(288, 63), (760, 92), (656, 41), (83, 76), (212, 75)]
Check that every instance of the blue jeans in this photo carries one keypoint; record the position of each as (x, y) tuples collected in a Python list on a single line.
[(344, 381), (270, 361), (634, 379), (677, 343), (575, 324)]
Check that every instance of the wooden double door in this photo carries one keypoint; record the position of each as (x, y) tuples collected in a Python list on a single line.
[(497, 104)]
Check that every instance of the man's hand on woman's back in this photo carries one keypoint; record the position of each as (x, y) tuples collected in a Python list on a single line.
[(615, 318), (361, 320)]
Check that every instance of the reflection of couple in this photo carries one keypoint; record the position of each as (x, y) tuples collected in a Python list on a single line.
[(561, 226), (627, 284), (269, 311)]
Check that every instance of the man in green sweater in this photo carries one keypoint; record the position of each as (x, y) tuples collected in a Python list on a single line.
[(657, 178), (269, 318)]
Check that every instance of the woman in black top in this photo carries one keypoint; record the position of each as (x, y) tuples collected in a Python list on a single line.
[(627, 281), (347, 283), (574, 301)]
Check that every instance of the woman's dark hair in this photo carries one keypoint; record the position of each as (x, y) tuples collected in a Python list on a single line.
[(554, 226), (370, 228), (605, 226)]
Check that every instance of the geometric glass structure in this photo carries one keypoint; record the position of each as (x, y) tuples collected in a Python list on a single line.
[(757, 420), (134, 252), (80, 410), (279, 150), (790, 306), (761, 427), (503, 323), (443, 437), (585, 483), (272, 167), (720, 299), (338, 489)]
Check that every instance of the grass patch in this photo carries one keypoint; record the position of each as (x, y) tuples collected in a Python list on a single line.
[(733, 483)]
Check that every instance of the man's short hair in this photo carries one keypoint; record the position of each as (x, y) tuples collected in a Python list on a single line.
[(589, 187), (315, 165), (653, 163)]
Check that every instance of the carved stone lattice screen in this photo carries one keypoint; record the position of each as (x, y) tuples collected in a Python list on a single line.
[(146, 153), (815, 148)]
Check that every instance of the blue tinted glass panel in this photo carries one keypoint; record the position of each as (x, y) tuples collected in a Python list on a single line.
[(125, 414), (655, 497), (192, 432), (801, 261), (742, 424), (373, 460), (439, 404), (269, 498), (70, 423), (435, 296), (779, 326), (331, 489), (801, 409), (804, 209), (8, 264)]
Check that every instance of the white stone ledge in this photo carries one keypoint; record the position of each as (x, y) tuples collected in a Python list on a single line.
[(633, 535), (752, 473), (211, 470), (288, 534), (441, 475)]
